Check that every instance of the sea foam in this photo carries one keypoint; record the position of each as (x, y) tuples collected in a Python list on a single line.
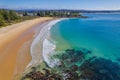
[(48, 49), (41, 47)]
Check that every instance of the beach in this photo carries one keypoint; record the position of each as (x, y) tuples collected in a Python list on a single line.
[(49, 47), (70, 48), (15, 42)]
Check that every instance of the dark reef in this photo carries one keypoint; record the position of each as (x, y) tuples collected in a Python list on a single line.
[(99, 69), (75, 66)]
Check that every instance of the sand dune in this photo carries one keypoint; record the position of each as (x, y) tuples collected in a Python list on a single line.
[(15, 41)]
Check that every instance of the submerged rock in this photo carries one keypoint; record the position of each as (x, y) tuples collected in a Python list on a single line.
[(72, 56), (118, 59), (100, 69), (74, 68), (38, 75), (93, 68)]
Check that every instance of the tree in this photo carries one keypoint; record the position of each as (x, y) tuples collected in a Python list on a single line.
[(25, 14), (13, 15), (2, 21), (5, 15), (38, 13)]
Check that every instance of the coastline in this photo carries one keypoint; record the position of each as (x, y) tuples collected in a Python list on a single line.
[(79, 60), (15, 42), (39, 44), (49, 47)]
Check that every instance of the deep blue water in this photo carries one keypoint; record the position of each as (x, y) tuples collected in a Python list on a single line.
[(99, 33)]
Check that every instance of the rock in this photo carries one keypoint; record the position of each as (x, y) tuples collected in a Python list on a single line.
[(100, 69), (74, 68)]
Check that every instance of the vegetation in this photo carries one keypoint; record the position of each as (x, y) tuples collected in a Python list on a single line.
[(9, 16), (52, 13), (2, 21)]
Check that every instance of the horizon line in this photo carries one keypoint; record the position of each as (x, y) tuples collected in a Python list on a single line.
[(60, 9)]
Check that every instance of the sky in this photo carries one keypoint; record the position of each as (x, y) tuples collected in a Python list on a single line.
[(61, 4)]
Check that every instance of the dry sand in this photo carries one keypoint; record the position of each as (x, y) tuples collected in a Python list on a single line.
[(15, 41)]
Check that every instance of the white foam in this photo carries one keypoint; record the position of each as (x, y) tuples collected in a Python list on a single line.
[(39, 50), (48, 51)]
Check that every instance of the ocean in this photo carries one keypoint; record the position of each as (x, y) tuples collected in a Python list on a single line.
[(99, 33), (85, 48)]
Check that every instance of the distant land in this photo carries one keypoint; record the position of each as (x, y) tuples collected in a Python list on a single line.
[(9, 16), (69, 10)]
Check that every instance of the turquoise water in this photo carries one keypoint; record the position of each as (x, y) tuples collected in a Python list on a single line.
[(99, 33)]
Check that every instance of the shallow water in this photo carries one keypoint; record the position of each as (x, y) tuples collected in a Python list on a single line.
[(99, 33), (83, 49)]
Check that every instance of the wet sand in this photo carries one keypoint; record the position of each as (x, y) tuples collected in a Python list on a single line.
[(15, 41)]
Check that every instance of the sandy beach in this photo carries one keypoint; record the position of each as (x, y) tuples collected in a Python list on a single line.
[(15, 42)]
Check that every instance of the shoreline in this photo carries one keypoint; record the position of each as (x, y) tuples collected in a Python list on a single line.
[(38, 43), (49, 47), (14, 46)]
